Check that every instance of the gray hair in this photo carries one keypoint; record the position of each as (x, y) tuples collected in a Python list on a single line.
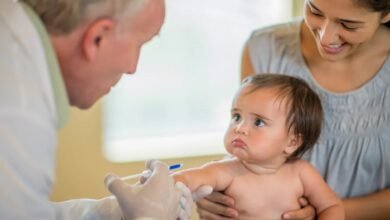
[(63, 16)]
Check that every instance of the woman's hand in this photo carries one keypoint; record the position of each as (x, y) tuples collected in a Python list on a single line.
[(307, 212), (217, 206)]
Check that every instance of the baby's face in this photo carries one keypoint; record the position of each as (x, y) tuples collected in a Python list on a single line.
[(257, 132)]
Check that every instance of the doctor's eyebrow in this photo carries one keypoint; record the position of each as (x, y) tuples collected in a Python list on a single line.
[(339, 19)]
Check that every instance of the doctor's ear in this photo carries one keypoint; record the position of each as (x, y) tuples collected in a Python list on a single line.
[(96, 36), (294, 143)]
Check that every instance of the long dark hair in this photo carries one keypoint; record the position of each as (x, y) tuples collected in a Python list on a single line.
[(382, 6)]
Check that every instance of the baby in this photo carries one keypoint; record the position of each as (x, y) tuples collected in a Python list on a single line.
[(274, 120)]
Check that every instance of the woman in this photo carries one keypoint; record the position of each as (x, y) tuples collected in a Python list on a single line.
[(341, 49)]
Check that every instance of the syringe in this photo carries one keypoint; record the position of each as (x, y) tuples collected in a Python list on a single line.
[(146, 173)]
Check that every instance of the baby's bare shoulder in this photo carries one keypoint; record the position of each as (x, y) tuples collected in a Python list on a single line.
[(300, 165), (232, 164)]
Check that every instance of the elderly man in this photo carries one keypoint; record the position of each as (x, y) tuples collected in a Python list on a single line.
[(56, 53)]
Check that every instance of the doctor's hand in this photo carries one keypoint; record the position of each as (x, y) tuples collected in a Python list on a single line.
[(188, 198), (156, 198)]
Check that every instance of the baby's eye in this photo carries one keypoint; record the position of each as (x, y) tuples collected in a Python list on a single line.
[(259, 123), (236, 117)]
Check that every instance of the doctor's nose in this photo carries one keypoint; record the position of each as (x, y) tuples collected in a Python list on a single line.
[(241, 128), (133, 62), (132, 69)]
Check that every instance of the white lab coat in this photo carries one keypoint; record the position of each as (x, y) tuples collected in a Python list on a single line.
[(28, 127)]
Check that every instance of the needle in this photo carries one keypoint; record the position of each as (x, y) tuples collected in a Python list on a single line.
[(148, 172)]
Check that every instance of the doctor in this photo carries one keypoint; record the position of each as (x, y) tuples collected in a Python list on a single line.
[(56, 53)]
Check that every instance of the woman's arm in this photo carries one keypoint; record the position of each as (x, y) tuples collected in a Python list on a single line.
[(318, 193), (246, 64), (372, 206)]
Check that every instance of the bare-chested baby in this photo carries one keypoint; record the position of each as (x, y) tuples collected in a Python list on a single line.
[(274, 120)]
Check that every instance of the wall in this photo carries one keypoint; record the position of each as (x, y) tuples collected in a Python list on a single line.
[(297, 7)]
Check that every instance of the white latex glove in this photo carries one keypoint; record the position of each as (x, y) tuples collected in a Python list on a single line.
[(202, 192), (156, 198), (187, 200)]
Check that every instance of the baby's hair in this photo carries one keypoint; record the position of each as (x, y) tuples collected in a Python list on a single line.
[(305, 113)]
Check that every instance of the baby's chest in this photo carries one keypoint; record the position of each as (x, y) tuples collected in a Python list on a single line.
[(265, 197)]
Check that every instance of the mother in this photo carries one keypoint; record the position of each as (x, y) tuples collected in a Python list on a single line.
[(341, 49)]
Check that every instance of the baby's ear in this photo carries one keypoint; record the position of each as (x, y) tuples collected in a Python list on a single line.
[(294, 142)]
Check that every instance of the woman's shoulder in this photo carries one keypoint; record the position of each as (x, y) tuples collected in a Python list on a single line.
[(283, 31), (277, 48)]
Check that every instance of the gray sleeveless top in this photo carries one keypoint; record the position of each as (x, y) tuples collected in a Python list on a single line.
[(353, 152)]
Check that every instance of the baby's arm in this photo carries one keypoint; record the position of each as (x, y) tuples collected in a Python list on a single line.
[(215, 174), (319, 194)]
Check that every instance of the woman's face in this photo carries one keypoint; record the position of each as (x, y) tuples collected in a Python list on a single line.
[(340, 27)]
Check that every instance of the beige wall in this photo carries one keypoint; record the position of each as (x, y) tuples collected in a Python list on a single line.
[(297, 7), (81, 166)]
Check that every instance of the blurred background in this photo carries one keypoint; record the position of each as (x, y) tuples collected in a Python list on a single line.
[(177, 105)]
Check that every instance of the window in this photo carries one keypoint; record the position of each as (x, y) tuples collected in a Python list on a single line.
[(178, 102)]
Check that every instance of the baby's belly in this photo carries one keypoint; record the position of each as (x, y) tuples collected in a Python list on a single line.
[(262, 201)]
